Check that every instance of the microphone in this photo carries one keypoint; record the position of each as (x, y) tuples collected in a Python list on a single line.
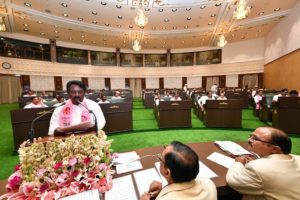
[(31, 131), (90, 111)]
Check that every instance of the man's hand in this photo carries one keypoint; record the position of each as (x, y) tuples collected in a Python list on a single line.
[(145, 196), (154, 189), (244, 159)]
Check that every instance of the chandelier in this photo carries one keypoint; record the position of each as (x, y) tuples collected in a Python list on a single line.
[(136, 45), (222, 41), (242, 10), (141, 20)]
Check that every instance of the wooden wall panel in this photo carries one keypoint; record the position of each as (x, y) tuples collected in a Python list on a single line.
[(283, 72)]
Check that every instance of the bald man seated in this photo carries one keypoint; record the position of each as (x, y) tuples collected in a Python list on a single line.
[(179, 165), (274, 174)]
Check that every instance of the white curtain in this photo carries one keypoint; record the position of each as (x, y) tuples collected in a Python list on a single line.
[(173, 82), (136, 87), (117, 83), (152, 83), (65, 80), (40, 83), (251, 80), (96, 83), (232, 80), (10, 89), (194, 82), (210, 81)]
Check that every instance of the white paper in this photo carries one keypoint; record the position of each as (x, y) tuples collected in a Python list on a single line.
[(128, 165), (221, 159), (204, 171), (232, 147), (123, 189), (90, 194), (144, 178)]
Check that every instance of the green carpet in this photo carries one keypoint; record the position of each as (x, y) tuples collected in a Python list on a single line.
[(145, 134)]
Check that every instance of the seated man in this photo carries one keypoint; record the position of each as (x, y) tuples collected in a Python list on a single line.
[(176, 98), (60, 101), (157, 99), (283, 93), (179, 165), (103, 99), (117, 95), (202, 100), (36, 102), (76, 110), (275, 175), (222, 96)]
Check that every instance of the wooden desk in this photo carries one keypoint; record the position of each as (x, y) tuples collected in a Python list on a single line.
[(203, 149), (223, 113), (172, 114), (118, 117), (148, 100), (21, 121)]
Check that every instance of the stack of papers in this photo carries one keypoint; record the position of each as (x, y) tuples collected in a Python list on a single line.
[(90, 194), (144, 178), (127, 162), (232, 148), (220, 159), (123, 189)]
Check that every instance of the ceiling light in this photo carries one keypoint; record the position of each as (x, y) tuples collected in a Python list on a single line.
[(95, 22), (174, 9), (242, 10), (222, 41), (80, 19), (189, 18), (39, 22), (27, 4), (166, 20), (64, 5), (203, 6), (188, 9), (25, 29), (118, 6), (160, 10), (147, 9), (103, 3), (261, 13), (130, 26), (106, 24), (209, 23), (136, 45), (65, 14), (213, 15), (42, 33), (94, 13), (120, 17), (141, 19), (217, 4)]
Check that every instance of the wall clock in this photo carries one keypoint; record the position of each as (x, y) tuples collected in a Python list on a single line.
[(6, 65)]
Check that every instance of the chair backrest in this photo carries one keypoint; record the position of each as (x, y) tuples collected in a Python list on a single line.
[(116, 100)]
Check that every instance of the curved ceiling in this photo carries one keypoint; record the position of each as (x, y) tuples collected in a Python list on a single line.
[(172, 24)]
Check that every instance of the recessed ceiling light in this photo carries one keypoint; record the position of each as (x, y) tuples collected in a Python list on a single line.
[(83, 40), (42, 33), (186, 27), (261, 13), (95, 22), (26, 25), (118, 6), (80, 19), (141, 27), (56, 26), (147, 9), (174, 27), (119, 26), (188, 18), (106, 24), (174, 9), (64, 5), (65, 15), (276, 9), (103, 3), (259, 30), (153, 28), (166, 20), (120, 17), (82, 36), (209, 23), (70, 38), (56, 31), (188, 9), (39, 22), (203, 6), (130, 26), (213, 15), (217, 4), (164, 27), (94, 13), (160, 10), (27, 4)]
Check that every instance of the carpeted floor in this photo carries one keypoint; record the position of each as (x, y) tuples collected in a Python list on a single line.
[(145, 134)]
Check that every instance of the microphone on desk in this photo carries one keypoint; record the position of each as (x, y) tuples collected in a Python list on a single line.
[(31, 131), (90, 111)]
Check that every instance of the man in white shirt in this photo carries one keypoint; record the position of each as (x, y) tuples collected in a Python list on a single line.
[(202, 100), (283, 93), (77, 110), (36, 102)]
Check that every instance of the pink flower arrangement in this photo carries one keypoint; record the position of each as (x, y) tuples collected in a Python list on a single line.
[(61, 168)]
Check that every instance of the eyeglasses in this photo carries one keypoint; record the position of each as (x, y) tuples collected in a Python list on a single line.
[(255, 138)]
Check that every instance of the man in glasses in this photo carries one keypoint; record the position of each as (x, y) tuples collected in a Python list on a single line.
[(180, 167), (274, 175), (77, 110)]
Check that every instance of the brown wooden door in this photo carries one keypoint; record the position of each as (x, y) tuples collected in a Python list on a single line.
[(204, 82), (184, 81), (58, 83), (85, 81), (25, 81), (222, 81), (107, 83), (143, 83), (161, 83)]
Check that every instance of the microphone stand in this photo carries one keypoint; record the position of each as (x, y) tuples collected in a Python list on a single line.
[(31, 131), (90, 111)]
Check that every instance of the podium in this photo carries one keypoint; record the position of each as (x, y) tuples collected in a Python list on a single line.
[(21, 121), (174, 114), (287, 114), (223, 113), (118, 117)]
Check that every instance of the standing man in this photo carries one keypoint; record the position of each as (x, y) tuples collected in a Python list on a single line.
[(76, 110), (179, 165), (274, 175)]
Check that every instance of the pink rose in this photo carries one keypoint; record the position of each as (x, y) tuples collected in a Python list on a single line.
[(27, 189), (75, 173), (44, 187), (41, 172), (17, 167), (102, 166), (102, 181), (58, 165), (87, 160), (73, 161), (62, 180), (14, 181)]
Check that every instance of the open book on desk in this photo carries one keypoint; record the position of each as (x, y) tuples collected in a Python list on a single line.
[(232, 148)]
